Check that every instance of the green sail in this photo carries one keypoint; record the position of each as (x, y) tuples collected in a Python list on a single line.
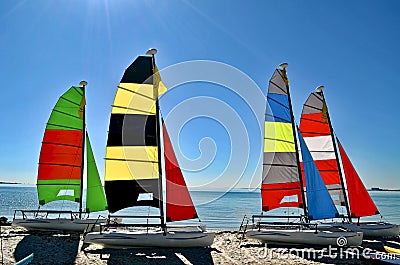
[(95, 197), (67, 113)]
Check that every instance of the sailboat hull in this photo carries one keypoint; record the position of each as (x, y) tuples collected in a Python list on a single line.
[(306, 237), (175, 237), (64, 225), (372, 229)]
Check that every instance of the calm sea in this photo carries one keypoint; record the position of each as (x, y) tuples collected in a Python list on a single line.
[(218, 210)]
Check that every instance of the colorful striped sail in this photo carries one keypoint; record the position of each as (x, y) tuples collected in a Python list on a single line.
[(60, 162), (360, 201), (179, 204), (132, 153), (315, 128), (280, 182), (319, 202)]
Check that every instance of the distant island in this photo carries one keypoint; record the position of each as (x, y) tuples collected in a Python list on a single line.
[(380, 189), (6, 182)]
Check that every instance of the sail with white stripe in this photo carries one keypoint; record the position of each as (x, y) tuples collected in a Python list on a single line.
[(316, 130)]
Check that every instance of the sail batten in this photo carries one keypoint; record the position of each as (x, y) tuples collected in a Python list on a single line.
[(132, 109), (131, 160), (136, 92), (62, 127)]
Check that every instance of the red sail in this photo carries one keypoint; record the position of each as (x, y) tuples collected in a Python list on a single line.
[(61, 155), (179, 203), (273, 195), (361, 203)]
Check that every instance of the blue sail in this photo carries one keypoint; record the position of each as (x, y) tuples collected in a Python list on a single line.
[(319, 202)]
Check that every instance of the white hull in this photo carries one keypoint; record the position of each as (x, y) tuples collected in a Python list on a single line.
[(175, 237), (372, 229), (306, 237), (62, 224)]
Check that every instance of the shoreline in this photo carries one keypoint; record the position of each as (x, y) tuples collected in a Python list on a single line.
[(228, 248)]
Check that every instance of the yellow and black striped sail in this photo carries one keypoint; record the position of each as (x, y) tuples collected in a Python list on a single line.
[(132, 145)]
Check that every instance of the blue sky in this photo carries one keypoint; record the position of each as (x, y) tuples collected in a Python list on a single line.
[(351, 47)]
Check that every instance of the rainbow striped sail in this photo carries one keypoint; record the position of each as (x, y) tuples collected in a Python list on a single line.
[(280, 182)]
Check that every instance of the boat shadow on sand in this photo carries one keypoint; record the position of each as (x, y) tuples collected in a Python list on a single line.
[(195, 256), (48, 248)]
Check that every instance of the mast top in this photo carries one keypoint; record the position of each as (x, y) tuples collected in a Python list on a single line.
[(83, 83), (283, 66), (320, 88), (151, 51)]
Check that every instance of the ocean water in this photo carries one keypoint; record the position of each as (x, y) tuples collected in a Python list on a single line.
[(218, 210)]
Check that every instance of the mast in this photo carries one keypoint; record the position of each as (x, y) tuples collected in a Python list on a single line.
[(283, 70), (346, 202), (83, 85), (152, 52)]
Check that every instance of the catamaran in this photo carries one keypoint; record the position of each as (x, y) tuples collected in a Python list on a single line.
[(316, 127), (283, 186), (134, 169), (61, 170)]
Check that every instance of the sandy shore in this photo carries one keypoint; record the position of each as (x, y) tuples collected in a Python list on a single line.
[(228, 248)]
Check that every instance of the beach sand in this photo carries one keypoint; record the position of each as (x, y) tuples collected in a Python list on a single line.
[(228, 248)]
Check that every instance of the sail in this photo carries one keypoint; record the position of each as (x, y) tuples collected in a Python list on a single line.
[(280, 182), (95, 197), (179, 204), (319, 202), (315, 128), (131, 166), (60, 161), (361, 203)]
